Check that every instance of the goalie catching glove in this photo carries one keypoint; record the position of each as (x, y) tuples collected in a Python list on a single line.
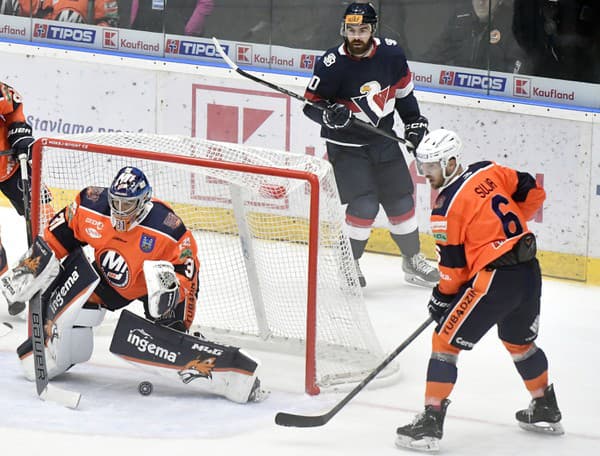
[(35, 271), (163, 287)]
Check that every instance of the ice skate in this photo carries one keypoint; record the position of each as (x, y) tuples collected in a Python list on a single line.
[(258, 394), (426, 430), (419, 272), (361, 277), (542, 415)]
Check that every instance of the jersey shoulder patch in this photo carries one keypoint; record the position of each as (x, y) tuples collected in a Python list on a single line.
[(162, 218), (96, 199)]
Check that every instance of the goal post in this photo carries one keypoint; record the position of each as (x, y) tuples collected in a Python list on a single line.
[(276, 269)]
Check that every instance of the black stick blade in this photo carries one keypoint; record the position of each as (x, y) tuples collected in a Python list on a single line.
[(291, 420)]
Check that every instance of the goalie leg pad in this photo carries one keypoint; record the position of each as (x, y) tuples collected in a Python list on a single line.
[(68, 318), (198, 363)]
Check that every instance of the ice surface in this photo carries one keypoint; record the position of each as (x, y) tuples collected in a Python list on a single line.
[(114, 418)]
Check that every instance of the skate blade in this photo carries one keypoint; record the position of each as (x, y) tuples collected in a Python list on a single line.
[(543, 427), (416, 280), (425, 445)]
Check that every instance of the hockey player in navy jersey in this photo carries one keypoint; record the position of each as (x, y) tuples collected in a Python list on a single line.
[(368, 78)]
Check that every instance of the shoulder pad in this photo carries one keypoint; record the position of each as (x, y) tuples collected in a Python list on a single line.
[(95, 198), (163, 219)]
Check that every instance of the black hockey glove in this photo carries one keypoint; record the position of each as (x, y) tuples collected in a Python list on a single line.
[(439, 304), (20, 137), (337, 116), (415, 130)]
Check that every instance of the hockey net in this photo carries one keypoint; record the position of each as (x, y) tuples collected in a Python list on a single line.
[(276, 270)]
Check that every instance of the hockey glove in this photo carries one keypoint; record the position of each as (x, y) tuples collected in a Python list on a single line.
[(337, 116), (439, 304), (20, 138), (415, 130)]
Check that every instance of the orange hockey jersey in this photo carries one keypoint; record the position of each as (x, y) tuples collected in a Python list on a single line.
[(120, 255), (105, 12), (11, 110), (479, 217)]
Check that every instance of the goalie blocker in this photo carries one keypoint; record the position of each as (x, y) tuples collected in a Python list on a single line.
[(206, 366)]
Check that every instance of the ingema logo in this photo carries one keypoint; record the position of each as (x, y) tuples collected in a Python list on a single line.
[(143, 342)]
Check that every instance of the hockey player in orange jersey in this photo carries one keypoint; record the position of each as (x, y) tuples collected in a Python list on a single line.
[(126, 227), (142, 251), (106, 12), (15, 139), (489, 276)]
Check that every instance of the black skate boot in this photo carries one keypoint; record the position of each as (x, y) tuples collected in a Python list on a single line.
[(425, 432), (542, 415)]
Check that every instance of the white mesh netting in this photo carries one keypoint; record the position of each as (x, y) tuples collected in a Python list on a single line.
[(252, 233)]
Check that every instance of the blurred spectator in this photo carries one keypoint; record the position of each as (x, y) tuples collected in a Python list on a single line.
[(180, 17), (561, 37), (479, 35), (99, 12)]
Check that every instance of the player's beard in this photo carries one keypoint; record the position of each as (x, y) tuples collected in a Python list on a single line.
[(358, 47)]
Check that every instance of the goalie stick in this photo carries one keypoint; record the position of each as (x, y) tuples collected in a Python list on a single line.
[(290, 419), (359, 123), (45, 391)]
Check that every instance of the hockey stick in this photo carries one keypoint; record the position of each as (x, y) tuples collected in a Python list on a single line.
[(290, 419), (16, 308), (359, 123), (26, 196), (45, 391)]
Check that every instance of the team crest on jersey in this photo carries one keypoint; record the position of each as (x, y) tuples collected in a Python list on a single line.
[(115, 268), (147, 243), (329, 59), (374, 101)]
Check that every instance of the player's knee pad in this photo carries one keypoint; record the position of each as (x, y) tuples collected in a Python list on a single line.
[(206, 366), (401, 215)]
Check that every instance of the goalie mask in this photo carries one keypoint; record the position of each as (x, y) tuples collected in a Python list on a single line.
[(435, 152), (129, 198), (357, 14)]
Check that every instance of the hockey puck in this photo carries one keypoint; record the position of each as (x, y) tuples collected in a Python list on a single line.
[(145, 388)]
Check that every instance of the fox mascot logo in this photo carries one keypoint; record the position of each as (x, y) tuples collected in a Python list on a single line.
[(197, 368)]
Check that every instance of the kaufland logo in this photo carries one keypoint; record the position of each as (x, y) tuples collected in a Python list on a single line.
[(110, 39), (307, 61), (472, 80), (522, 87), (59, 32), (243, 54), (193, 48)]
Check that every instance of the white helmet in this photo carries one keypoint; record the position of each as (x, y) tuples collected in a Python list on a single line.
[(439, 146)]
